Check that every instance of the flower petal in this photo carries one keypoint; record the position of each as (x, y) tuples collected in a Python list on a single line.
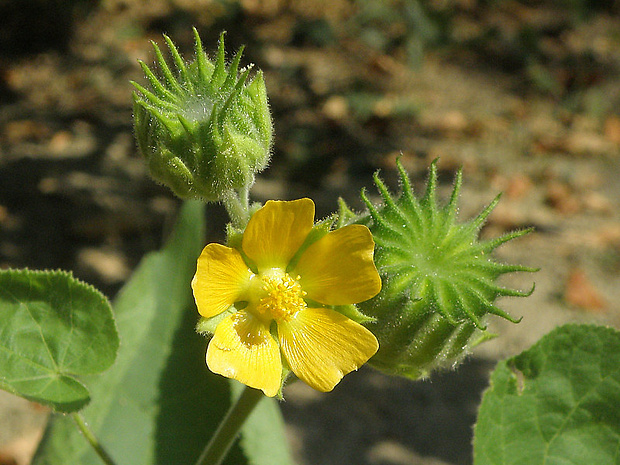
[(322, 345), (277, 231), (242, 348), (221, 277), (338, 269)]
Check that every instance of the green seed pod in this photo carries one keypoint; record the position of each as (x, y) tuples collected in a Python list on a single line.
[(204, 128), (439, 280)]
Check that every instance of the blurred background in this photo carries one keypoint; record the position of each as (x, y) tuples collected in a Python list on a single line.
[(524, 95)]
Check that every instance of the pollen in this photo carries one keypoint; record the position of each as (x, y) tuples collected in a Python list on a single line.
[(283, 297)]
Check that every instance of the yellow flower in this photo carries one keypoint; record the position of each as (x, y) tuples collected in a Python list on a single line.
[(281, 316)]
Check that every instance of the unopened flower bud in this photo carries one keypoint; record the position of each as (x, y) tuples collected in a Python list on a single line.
[(204, 127), (439, 281)]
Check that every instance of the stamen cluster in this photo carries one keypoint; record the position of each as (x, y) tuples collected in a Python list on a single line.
[(284, 297)]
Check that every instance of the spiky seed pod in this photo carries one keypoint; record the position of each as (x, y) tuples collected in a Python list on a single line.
[(204, 127), (439, 279)]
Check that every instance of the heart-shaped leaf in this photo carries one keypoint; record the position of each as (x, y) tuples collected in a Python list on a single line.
[(557, 403), (53, 329)]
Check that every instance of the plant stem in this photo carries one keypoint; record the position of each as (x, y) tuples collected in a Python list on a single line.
[(217, 448), (237, 206), (90, 437)]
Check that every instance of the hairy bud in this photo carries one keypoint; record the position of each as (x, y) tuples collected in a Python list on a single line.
[(439, 279), (204, 127)]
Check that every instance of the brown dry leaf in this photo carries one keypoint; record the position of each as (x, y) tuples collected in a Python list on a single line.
[(21, 450), (110, 266), (6, 459), (612, 129), (60, 141), (580, 292), (518, 186), (453, 121), (561, 198), (587, 143), (336, 108), (549, 144), (19, 131), (598, 203), (609, 236)]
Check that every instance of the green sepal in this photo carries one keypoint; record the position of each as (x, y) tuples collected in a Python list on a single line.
[(353, 312), (345, 214), (206, 326)]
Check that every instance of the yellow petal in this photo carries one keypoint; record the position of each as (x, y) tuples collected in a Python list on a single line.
[(276, 231), (221, 277), (322, 345), (242, 348), (339, 269)]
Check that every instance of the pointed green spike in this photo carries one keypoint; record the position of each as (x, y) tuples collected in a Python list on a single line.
[(219, 73), (492, 244), (171, 81), (503, 291), (430, 196), (452, 207), (406, 189), (180, 64), (201, 59), (152, 98), (408, 200), (494, 310), (158, 88), (374, 213), (236, 91), (233, 70), (479, 221), (385, 195), (187, 125)]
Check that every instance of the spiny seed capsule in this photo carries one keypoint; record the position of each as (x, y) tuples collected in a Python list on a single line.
[(439, 279), (204, 128)]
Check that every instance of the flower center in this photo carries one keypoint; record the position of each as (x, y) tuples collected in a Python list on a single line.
[(283, 299)]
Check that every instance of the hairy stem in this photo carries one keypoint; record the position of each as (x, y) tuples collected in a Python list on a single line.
[(237, 205), (219, 445), (92, 440)]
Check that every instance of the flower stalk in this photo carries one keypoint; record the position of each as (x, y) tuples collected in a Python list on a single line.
[(92, 439), (221, 442), (237, 204)]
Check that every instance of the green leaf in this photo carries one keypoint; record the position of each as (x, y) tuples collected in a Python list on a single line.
[(53, 329), (159, 404), (557, 403)]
